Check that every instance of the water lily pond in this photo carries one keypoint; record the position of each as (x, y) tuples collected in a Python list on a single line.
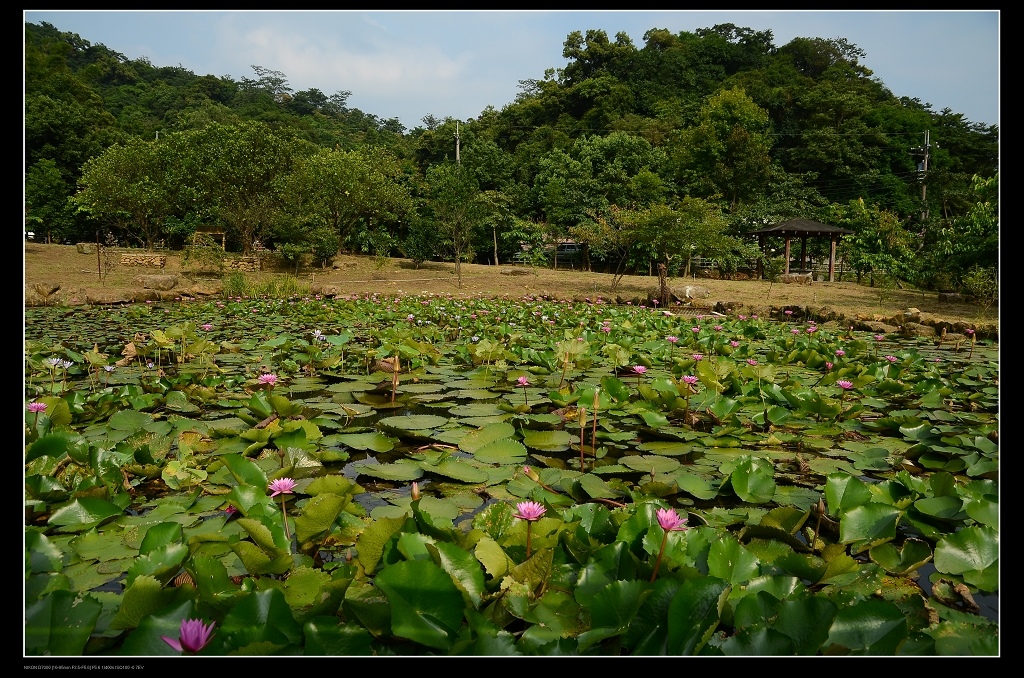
[(414, 475)]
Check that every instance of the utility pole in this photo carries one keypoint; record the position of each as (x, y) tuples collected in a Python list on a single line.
[(922, 171), (458, 161)]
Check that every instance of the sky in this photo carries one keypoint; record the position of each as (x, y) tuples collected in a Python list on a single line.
[(408, 64)]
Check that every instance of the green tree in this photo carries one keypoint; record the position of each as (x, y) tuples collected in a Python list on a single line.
[(236, 173), (125, 188), (339, 190), (727, 153), (971, 241), (880, 244), (46, 200), (455, 201)]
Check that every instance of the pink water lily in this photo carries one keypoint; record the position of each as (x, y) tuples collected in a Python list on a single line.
[(193, 636), (524, 382), (282, 486), (36, 408), (529, 511), (671, 521), (639, 369), (268, 379), (844, 384), (689, 379)]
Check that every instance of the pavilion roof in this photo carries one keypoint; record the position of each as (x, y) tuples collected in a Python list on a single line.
[(801, 227)]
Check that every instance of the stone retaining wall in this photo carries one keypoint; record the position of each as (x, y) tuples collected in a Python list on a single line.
[(147, 260), (244, 264)]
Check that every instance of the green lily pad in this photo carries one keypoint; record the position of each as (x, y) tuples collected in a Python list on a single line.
[(413, 422), (505, 451), (399, 471)]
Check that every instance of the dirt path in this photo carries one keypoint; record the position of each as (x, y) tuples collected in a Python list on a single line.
[(77, 274)]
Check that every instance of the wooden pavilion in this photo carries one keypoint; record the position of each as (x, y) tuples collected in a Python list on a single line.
[(803, 229)]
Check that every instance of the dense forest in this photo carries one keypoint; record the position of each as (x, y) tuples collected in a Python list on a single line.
[(642, 155)]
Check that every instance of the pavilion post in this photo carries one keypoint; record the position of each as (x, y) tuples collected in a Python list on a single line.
[(832, 260), (787, 254), (760, 262)]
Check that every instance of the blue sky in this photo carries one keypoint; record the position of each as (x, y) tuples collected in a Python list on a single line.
[(407, 64)]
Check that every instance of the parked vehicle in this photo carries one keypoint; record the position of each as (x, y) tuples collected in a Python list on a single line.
[(568, 254)]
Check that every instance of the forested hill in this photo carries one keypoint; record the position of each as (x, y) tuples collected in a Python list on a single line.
[(718, 119)]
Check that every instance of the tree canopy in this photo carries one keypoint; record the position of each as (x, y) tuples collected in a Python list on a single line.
[(624, 134)]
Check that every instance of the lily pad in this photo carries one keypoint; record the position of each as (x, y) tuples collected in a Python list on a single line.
[(413, 422)]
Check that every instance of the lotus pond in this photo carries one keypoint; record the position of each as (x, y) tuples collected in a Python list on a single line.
[(422, 475)]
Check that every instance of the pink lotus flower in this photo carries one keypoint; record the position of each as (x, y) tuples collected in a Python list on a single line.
[(891, 358), (689, 379), (36, 408), (639, 369), (670, 521), (743, 317), (698, 357), (788, 312), (282, 486), (695, 330), (794, 331), (734, 344), (523, 381), (268, 379), (193, 636), (812, 330), (206, 326), (672, 339), (828, 365), (751, 362), (844, 384), (529, 511), (840, 352), (879, 337), (718, 328)]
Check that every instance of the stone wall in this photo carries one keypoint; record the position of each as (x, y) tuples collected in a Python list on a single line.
[(244, 264), (147, 260)]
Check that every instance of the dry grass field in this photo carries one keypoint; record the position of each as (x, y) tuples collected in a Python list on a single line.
[(78, 273)]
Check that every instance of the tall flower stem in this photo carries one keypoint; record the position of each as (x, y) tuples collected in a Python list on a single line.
[(528, 535), (661, 553), (583, 424), (284, 515)]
